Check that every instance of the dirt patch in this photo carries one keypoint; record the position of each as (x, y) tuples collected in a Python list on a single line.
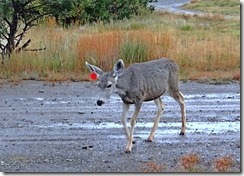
[(59, 128)]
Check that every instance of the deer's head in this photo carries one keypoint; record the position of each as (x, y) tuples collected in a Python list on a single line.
[(107, 80)]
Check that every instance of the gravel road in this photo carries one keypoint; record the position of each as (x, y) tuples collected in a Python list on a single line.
[(173, 6), (59, 128)]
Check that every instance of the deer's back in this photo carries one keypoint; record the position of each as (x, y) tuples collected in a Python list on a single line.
[(149, 80)]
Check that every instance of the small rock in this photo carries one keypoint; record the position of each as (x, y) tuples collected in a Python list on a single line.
[(54, 99), (2, 163), (41, 91), (81, 112), (105, 161)]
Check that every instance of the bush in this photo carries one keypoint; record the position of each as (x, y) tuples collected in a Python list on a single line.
[(88, 11)]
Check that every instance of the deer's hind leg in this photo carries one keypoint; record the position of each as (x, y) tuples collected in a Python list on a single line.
[(160, 107), (180, 99)]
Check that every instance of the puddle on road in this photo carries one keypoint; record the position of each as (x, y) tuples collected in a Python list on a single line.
[(164, 128), (214, 96), (114, 99), (228, 100)]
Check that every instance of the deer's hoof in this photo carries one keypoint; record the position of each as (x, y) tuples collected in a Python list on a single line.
[(148, 140), (182, 133), (127, 151)]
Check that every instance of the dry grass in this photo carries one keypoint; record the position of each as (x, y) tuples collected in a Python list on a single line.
[(193, 163), (225, 7), (100, 48), (224, 164), (189, 162), (204, 49), (105, 48), (153, 167)]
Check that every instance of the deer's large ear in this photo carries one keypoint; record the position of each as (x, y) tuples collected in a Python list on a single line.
[(119, 68), (95, 69)]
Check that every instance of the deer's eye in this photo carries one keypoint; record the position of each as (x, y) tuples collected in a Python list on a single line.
[(108, 86)]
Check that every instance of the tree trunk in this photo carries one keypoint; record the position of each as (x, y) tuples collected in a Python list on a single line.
[(13, 27)]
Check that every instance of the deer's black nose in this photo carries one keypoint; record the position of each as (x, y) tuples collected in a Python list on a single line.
[(100, 102)]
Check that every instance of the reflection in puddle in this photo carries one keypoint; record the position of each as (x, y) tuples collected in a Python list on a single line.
[(164, 128), (39, 99)]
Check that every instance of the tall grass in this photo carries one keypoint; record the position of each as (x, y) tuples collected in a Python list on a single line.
[(204, 49), (134, 48), (225, 7)]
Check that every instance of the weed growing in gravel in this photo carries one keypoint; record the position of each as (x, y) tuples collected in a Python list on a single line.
[(189, 162), (153, 167), (192, 163), (224, 164)]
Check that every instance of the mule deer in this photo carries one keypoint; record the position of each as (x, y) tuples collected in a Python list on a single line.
[(141, 82)]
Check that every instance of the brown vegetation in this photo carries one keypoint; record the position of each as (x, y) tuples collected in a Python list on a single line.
[(223, 164), (204, 48), (192, 163)]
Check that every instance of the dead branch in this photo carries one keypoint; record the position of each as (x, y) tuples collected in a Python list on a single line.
[(37, 49), (23, 46)]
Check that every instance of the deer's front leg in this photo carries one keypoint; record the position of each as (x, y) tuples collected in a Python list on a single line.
[(123, 119), (160, 107), (133, 123)]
